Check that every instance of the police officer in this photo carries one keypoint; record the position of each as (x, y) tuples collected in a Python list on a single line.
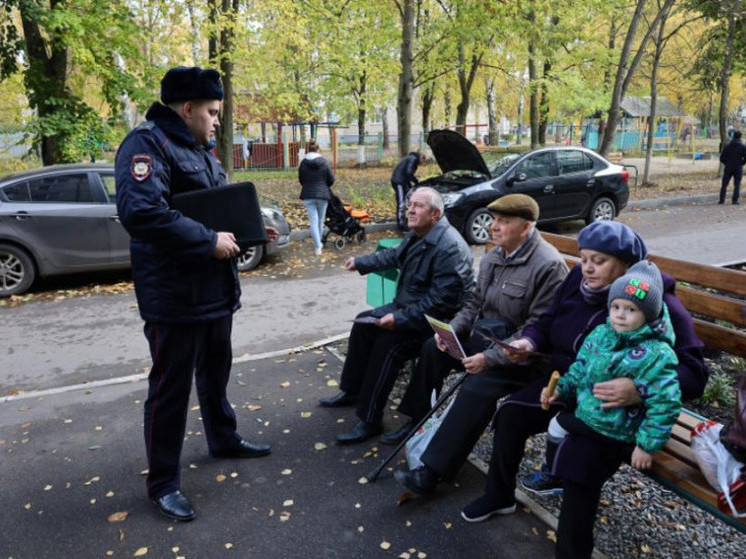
[(402, 181), (186, 281)]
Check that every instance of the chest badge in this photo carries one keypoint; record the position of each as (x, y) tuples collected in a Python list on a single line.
[(141, 167)]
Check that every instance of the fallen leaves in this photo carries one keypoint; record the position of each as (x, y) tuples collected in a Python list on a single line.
[(220, 478), (385, 545), (404, 497), (117, 516), (319, 446), (141, 551)]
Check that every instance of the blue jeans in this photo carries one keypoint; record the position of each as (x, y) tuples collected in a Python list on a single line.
[(316, 208)]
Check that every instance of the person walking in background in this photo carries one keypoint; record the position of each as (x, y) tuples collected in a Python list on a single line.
[(186, 280), (316, 178), (402, 180), (733, 157)]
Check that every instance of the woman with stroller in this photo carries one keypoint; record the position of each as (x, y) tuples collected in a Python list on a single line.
[(316, 178)]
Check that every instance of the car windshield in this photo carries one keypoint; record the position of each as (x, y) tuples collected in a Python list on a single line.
[(498, 162)]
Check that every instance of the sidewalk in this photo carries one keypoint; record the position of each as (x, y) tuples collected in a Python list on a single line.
[(71, 460)]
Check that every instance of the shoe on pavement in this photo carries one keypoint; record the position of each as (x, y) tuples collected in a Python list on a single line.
[(176, 506), (360, 433), (396, 437), (484, 507), (244, 449), (339, 400), (542, 483), (422, 480)]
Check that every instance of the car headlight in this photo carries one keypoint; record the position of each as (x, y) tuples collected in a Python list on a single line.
[(450, 198)]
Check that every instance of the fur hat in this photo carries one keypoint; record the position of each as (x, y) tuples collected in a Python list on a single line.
[(189, 84), (518, 205), (614, 238), (643, 285)]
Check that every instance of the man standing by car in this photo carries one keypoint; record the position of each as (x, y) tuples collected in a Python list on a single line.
[(185, 275), (733, 157), (402, 180), (435, 266)]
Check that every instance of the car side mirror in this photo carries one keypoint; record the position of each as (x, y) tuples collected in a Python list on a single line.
[(520, 177)]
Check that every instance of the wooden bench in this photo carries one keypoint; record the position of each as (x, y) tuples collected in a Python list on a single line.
[(717, 317)]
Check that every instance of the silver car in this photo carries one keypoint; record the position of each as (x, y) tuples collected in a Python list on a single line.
[(63, 219)]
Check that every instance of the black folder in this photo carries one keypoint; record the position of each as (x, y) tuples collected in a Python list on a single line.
[(233, 208)]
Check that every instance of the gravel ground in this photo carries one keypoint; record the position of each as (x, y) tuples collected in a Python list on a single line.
[(638, 517)]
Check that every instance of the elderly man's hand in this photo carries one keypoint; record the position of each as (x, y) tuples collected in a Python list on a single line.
[(474, 363), (438, 342), (386, 322), (350, 264), (226, 246), (616, 393)]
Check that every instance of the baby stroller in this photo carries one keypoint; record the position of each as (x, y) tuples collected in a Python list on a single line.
[(340, 222)]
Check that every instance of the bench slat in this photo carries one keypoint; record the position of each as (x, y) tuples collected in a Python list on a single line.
[(721, 338), (713, 306)]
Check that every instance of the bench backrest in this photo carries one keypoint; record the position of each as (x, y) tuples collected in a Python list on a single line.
[(717, 317)]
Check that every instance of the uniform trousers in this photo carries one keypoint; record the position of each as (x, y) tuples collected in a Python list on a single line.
[(374, 358), (471, 413), (179, 351), (737, 176)]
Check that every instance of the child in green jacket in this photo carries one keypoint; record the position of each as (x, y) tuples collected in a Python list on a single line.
[(635, 342)]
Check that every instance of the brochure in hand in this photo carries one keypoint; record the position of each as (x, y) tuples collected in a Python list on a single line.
[(447, 337)]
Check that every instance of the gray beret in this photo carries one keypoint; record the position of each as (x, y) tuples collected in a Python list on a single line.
[(190, 84), (518, 205)]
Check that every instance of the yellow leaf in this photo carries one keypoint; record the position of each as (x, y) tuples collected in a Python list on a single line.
[(229, 546), (253, 407), (306, 414), (551, 536), (385, 545), (117, 516), (447, 525), (47, 487), (285, 384), (645, 548), (286, 472), (319, 446), (288, 503), (332, 382), (27, 506), (220, 478), (142, 551), (363, 480), (360, 529), (110, 494)]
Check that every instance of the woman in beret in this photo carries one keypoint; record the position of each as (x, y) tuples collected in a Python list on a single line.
[(607, 249), (316, 178)]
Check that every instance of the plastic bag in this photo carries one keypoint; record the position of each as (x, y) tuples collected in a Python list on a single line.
[(719, 467), (418, 442)]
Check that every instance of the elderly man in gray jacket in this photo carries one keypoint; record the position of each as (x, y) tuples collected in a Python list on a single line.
[(436, 273), (517, 281)]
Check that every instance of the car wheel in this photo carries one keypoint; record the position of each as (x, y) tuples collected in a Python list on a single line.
[(477, 227), (17, 270), (250, 259), (602, 209)]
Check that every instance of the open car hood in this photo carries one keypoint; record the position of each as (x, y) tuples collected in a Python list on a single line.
[(453, 152)]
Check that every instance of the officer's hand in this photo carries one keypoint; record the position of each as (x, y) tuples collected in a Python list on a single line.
[(272, 233), (226, 246), (350, 264)]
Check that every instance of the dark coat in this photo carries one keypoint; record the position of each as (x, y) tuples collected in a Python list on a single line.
[(316, 178), (404, 171), (177, 278), (435, 275), (733, 155)]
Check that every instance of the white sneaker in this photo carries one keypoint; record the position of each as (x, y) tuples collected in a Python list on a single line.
[(317, 251)]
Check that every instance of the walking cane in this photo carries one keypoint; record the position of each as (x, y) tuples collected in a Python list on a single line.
[(373, 475)]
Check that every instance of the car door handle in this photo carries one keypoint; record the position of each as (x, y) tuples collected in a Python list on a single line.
[(115, 218), (549, 188), (591, 182), (21, 216)]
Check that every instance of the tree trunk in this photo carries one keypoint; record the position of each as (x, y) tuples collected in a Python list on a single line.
[(447, 108), (361, 109), (544, 104), (493, 134), (725, 80), (406, 85), (465, 82), (533, 96), (659, 44), (385, 126), (428, 97)]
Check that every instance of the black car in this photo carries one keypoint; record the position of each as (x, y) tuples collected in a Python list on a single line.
[(566, 182)]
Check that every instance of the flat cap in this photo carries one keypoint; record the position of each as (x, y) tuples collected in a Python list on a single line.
[(189, 84), (518, 205)]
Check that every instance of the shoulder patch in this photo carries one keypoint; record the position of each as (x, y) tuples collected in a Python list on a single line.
[(141, 166)]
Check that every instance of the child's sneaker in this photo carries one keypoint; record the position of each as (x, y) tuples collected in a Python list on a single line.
[(542, 483)]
